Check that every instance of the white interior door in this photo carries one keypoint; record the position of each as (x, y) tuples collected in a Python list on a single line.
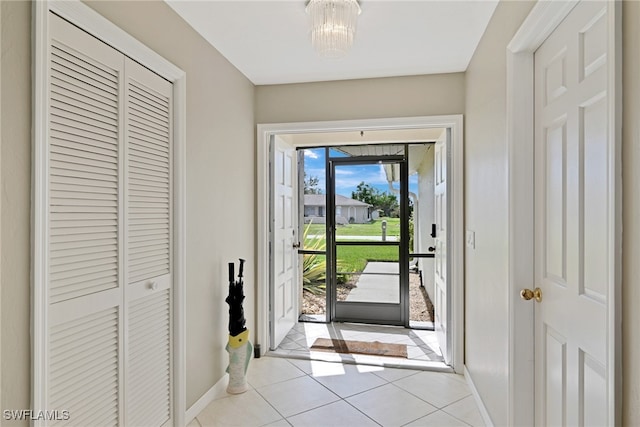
[(441, 311), (284, 255), (574, 225)]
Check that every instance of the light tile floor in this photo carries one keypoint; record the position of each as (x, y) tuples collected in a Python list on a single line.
[(296, 392), (423, 350)]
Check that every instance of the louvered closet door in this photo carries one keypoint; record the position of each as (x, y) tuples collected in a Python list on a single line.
[(109, 236), (148, 255), (84, 374)]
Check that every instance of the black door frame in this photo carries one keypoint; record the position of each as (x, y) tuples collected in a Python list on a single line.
[(362, 312)]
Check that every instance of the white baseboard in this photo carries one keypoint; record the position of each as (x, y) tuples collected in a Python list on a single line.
[(474, 391), (218, 390)]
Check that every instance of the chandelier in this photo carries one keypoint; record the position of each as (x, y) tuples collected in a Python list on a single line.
[(333, 25)]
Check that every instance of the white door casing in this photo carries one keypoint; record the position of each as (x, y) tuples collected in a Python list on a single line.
[(454, 124), (284, 256), (441, 312), (573, 223)]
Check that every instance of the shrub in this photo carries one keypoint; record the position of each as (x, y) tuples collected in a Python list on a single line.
[(314, 266)]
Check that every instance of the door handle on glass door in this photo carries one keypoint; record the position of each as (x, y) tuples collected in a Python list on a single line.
[(296, 245)]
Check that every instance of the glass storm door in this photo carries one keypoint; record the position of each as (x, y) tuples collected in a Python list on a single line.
[(368, 235)]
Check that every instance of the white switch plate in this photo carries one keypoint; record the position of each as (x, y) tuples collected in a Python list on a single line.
[(471, 239)]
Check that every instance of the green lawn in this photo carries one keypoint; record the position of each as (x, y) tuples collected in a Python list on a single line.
[(355, 258), (372, 229)]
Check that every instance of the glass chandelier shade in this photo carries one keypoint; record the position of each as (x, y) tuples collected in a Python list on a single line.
[(333, 25)]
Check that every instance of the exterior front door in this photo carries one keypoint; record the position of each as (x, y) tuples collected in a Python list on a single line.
[(284, 268), (441, 302), (370, 272), (574, 226)]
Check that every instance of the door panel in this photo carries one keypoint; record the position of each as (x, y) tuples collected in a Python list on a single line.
[(148, 174), (440, 265), (370, 267), (284, 313), (573, 225), (84, 314)]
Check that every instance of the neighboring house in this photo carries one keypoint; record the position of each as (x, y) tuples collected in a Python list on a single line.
[(347, 210)]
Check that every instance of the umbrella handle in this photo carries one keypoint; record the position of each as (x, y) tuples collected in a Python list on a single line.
[(231, 271), (241, 268)]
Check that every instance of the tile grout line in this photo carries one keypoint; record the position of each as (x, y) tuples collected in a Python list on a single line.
[(416, 396), (279, 382), (317, 407), (451, 415), (349, 403), (434, 412), (274, 408), (344, 399)]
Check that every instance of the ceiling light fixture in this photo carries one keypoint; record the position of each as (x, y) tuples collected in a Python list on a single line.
[(333, 25)]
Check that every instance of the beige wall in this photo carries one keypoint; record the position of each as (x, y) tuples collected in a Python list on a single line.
[(631, 215), (486, 211), (220, 173), (16, 181), (361, 99)]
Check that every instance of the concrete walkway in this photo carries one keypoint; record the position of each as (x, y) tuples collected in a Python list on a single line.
[(379, 282)]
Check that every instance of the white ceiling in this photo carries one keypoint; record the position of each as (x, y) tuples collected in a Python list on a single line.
[(269, 41)]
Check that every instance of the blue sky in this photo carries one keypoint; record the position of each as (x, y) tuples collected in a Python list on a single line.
[(348, 177)]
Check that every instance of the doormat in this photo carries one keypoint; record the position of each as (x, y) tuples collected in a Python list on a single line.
[(374, 348)]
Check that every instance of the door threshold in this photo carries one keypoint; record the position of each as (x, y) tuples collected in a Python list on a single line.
[(322, 318), (427, 326), (313, 318)]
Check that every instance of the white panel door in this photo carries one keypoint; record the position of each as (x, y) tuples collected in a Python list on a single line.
[(284, 255), (441, 311), (573, 263)]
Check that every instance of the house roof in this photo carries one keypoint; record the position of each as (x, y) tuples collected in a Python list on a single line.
[(320, 200)]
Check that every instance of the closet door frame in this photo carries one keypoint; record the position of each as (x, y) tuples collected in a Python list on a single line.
[(95, 24)]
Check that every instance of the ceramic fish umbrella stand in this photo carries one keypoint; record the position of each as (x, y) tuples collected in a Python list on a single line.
[(238, 347)]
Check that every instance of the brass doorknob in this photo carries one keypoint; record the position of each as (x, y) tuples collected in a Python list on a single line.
[(527, 294)]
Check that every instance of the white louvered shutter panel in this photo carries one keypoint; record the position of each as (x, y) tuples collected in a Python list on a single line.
[(148, 255), (84, 373)]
